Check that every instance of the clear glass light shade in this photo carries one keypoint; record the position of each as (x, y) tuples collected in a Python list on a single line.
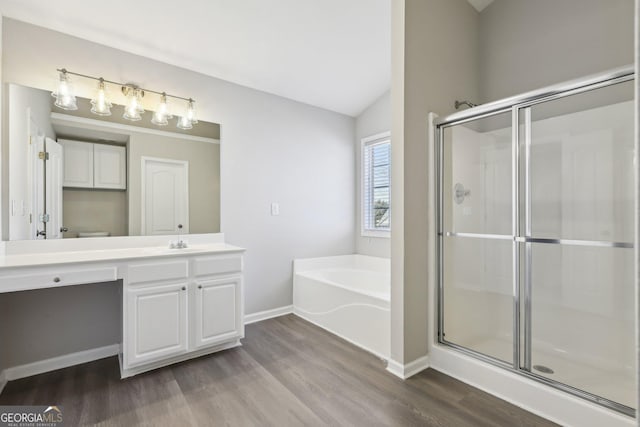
[(161, 116), (191, 112), (101, 105), (64, 96), (134, 107), (187, 121), (184, 123)]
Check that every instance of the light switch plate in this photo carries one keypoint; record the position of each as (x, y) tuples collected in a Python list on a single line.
[(275, 209)]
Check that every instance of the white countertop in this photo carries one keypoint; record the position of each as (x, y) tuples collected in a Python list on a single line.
[(97, 255)]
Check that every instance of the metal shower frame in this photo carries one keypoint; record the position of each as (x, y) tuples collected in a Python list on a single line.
[(518, 106)]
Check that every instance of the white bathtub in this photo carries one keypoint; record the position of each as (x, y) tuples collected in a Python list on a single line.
[(348, 296)]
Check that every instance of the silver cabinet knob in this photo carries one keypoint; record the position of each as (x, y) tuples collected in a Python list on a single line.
[(56, 279)]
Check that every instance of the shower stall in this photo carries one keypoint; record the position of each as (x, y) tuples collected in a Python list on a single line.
[(535, 249)]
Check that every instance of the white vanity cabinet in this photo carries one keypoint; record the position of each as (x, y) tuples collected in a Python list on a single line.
[(180, 308), (177, 304), (89, 165)]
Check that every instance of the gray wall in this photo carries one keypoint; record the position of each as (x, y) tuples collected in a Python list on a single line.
[(94, 210), (273, 150), (45, 323), (528, 44), (204, 178), (511, 47), (435, 73), (374, 120)]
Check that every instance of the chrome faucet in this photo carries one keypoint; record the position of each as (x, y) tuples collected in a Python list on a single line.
[(180, 244)]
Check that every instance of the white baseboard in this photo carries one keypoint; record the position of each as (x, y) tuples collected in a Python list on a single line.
[(59, 362), (408, 370), (267, 314)]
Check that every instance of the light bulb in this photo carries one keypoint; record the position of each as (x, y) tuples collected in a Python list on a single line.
[(187, 121), (64, 93), (184, 123), (134, 108), (161, 115), (191, 112), (100, 104)]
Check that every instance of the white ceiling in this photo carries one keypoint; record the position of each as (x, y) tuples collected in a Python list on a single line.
[(334, 54)]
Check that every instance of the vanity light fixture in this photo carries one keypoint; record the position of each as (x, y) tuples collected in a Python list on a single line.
[(101, 105), (133, 109), (64, 96)]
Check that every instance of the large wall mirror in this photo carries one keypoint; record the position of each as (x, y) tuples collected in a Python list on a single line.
[(74, 175)]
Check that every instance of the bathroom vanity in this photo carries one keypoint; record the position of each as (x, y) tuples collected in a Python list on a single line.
[(176, 303)]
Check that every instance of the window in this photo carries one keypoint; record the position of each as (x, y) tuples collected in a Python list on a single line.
[(376, 185)]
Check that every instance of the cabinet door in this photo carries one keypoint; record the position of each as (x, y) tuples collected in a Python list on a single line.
[(156, 325), (109, 166), (78, 163), (218, 311)]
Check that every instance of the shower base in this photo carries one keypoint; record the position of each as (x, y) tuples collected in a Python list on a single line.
[(616, 384)]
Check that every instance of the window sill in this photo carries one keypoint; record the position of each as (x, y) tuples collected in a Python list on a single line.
[(376, 233)]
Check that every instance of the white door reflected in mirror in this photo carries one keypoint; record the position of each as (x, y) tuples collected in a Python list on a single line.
[(165, 196)]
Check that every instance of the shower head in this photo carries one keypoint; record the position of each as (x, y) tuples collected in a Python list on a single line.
[(459, 104)]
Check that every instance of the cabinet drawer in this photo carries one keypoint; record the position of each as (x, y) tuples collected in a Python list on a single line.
[(207, 266), (54, 278), (158, 271)]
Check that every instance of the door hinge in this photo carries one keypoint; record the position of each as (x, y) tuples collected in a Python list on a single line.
[(44, 218), (43, 155), (30, 218)]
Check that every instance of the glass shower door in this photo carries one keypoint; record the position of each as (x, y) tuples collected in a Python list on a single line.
[(579, 230), (477, 273)]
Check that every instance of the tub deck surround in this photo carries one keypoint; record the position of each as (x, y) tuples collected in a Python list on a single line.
[(176, 303), (347, 295)]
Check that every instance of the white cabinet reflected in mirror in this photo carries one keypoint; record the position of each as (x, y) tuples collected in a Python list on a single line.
[(74, 175)]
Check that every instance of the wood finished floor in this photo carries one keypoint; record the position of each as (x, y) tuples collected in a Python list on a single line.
[(287, 373)]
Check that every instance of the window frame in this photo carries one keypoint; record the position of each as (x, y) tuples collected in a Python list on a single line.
[(365, 186)]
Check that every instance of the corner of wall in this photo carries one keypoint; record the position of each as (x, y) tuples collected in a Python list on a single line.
[(4, 154), (397, 179), (637, 191)]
